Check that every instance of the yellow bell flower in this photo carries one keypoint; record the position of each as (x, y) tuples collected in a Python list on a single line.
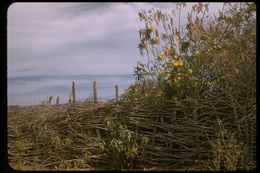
[(162, 55), (190, 71), (178, 64), (176, 56)]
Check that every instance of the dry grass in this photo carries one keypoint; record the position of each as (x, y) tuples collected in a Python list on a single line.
[(180, 135)]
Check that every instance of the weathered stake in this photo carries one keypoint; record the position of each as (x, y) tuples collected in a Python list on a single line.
[(73, 93), (50, 98), (95, 91), (116, 92), (57, 100)]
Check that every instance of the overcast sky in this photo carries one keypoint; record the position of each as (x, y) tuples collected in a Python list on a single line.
[(75, 38)]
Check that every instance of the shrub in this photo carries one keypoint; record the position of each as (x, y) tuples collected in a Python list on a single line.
[(124, 145), (198, 58)]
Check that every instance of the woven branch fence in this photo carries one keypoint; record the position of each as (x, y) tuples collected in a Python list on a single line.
[(68, 137)]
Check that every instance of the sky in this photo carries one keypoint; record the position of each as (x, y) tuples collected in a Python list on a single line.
[(76, 38)]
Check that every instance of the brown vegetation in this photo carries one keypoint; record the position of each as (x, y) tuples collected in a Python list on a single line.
[(170, 135)]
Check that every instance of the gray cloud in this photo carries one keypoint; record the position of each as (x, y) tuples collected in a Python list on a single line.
[(74, 38)]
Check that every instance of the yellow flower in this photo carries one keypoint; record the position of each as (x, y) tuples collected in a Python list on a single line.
[(190, 71), (162, 55), (157, 40), (176, 56), (178, 64)]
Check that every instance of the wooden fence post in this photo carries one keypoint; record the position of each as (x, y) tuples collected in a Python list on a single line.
[(57, 100), (73, 93), (72, 98), (50, 98), (95, 91), (116, 92)]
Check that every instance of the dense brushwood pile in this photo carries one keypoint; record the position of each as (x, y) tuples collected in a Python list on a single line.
[(173, 135)]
